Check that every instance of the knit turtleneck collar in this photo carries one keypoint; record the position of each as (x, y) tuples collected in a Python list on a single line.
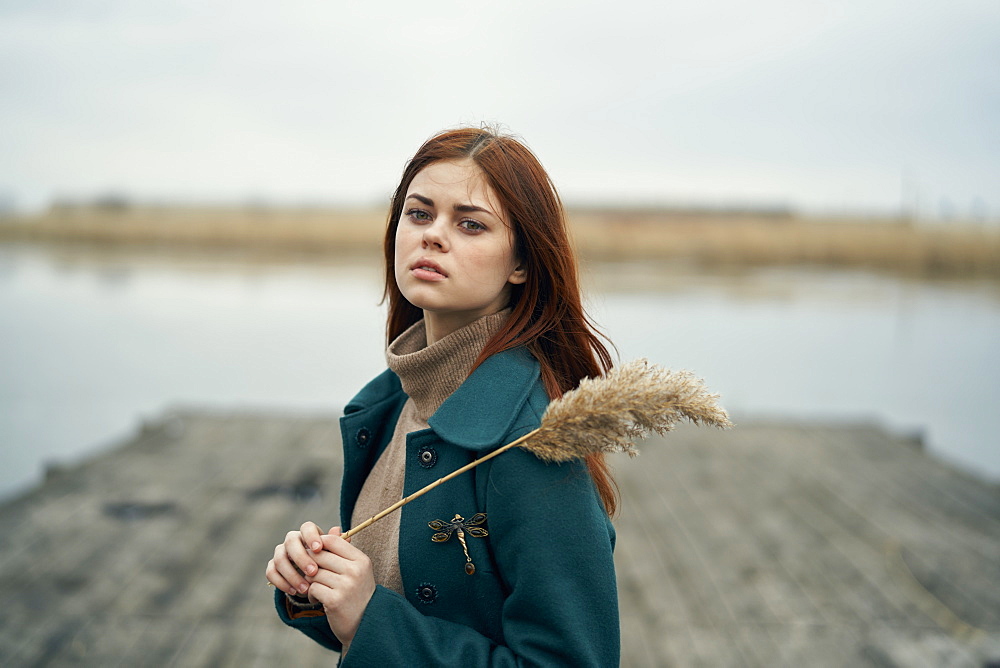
[(429, 374)]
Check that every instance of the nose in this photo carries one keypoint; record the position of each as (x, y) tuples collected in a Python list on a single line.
[(435, 235)]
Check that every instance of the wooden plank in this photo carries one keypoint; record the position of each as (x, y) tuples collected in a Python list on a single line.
[(771, 544)]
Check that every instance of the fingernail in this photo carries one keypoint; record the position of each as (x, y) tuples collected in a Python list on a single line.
[(310, 569), (317, 546), (303, 587)]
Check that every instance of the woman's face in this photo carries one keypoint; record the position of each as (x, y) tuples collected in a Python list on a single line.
[(454, 252)]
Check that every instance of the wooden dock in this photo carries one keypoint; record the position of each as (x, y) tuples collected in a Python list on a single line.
[(771, 544)]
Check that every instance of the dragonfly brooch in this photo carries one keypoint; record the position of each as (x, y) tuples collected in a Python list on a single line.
[(458, 525)]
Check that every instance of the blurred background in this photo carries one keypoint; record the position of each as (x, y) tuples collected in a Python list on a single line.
[(800, 201)]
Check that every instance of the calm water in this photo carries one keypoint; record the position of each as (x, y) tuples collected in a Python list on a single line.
[(95, 341)]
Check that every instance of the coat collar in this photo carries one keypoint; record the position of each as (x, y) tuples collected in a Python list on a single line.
[(480, 412), (483, 409)]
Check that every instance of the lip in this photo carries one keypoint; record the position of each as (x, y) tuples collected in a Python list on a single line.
[(417, 268)]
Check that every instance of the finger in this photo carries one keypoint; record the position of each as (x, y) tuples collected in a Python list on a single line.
[(325, 578), (335, 531), (301, 558), (331, 563), (286, 566), (275, 578), (311, 536), (322, 593), (287, 571), (330, 588), (342, 548)]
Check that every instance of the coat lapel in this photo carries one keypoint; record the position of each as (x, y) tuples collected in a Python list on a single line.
[(483, 409)]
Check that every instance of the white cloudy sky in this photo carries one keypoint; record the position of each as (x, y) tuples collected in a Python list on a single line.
[(856, 104)]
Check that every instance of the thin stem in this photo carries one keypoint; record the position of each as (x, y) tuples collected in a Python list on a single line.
[(420, 492)]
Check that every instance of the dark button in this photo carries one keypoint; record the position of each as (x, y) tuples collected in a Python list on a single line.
[(363, 437), (427, 456), (426, 593)]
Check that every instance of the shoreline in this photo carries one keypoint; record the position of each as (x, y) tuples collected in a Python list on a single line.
[(710, 238)]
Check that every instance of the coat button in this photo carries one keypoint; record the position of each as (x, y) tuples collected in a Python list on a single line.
[(427, 593), (427, 456), (362, 437)]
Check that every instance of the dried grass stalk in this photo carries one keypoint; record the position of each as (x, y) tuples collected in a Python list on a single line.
[(607, 414), (604, 414)]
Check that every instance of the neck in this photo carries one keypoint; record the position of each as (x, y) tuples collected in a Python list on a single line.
[(429, 373), (439, 325)]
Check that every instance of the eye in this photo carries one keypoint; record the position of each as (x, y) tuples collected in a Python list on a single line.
[(472, 225), (418, 215)]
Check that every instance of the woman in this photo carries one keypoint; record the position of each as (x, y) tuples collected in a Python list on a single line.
[(510, 563)]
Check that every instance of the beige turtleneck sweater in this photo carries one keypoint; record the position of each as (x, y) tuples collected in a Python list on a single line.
[(429, 375)]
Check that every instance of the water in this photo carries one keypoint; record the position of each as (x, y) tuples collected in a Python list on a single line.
[(95, 341)]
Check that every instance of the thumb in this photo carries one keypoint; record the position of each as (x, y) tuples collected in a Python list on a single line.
[(335, 531)]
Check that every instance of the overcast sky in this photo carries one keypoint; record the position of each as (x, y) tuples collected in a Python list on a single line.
[(860, 105)]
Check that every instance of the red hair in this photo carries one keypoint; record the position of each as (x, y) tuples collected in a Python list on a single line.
[(547, 315)]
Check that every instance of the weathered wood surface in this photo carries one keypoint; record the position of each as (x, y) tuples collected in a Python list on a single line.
[(771, 544)]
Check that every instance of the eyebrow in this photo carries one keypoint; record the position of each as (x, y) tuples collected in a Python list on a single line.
[(464, 208)]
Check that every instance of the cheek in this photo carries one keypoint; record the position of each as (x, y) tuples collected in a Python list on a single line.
[(496, 264), (402, 245), (503, 262)]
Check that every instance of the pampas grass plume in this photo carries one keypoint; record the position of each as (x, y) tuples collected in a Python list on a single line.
[(608, 413)]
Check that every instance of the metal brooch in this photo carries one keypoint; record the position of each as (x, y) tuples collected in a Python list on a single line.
[(460, 525)]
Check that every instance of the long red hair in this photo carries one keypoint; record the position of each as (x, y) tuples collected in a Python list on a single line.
[(547, 315)]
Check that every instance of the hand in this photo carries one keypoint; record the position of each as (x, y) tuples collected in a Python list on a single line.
[(294, 557), (344, 585)]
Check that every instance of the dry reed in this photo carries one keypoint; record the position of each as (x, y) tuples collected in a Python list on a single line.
[(958, 248), (607, 414)]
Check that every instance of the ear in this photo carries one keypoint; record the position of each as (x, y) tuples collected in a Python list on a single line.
[(518, 276)]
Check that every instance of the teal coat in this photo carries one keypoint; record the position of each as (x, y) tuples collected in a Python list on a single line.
[(543, 592)]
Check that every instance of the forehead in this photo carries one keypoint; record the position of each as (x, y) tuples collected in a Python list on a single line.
[(460, 181)]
